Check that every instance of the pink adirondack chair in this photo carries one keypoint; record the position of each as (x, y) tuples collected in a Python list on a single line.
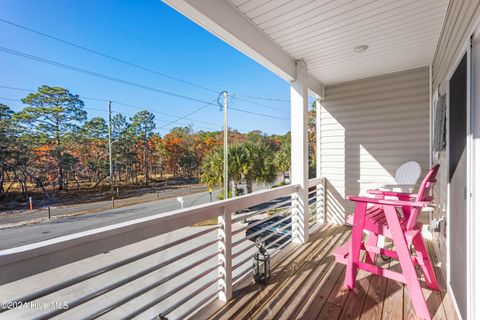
[(397, 220)]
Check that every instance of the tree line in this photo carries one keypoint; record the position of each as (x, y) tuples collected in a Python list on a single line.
[(52, 145)]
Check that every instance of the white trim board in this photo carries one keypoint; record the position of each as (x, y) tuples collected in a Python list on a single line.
[(470, 299), (474, 292)]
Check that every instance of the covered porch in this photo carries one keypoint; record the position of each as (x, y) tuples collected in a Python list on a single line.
[(381, 75), (374, 70), (308, 284)]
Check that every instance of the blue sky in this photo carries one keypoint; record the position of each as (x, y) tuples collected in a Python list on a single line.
[(147, 33)]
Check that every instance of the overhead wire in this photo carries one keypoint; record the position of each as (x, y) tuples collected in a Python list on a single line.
[(189, 114), (162, 74), (262, 98), (136, 37), (160, 112), (162, 126), (160, 122), (118, 80), (261, 105), (20, 100), (107, 56), (97, 74), (120, 103), (116, 112)]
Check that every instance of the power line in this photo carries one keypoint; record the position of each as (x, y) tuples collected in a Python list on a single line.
[(10, 99), (189, 114), (258, 114), (20, 100), (160, 112), (160, 122), (131, 106), (97, 74), (75, 45), (263, 98), (108, 56), (29, 90), (114, 79), (149, 43), (262, 105), (103, 110)]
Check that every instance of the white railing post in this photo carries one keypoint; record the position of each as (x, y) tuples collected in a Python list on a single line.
[(299, 138), (321, 188), (225, 255)]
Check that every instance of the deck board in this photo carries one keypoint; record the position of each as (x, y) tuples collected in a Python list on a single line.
[(306, 284), (373, 306)]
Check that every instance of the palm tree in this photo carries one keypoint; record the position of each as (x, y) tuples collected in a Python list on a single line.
[(282, 159), (236, 162), (252, 160), (212, 167), (259, 165)]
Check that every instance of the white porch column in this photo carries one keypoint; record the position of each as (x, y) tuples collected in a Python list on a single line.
[(225, 255), (299, 122), (321, 189)]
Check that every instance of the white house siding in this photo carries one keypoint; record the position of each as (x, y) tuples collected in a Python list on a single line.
[(460, 20), (368, 128)]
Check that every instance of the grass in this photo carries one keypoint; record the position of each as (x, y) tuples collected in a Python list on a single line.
[(209, 222)]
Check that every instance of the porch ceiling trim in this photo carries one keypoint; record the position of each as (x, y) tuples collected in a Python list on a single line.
[(227, 23)]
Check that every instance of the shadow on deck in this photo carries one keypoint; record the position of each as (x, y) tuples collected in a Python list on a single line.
[(306, 283)]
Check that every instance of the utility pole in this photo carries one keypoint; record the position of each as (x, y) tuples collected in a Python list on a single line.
[(110, 146), (225, 144)]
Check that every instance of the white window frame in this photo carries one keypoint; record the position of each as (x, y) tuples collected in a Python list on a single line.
[(471, 181)]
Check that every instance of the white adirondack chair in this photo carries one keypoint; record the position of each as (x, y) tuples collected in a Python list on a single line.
[(406, 177)]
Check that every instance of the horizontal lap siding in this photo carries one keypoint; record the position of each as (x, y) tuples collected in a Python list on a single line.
[(368, 128), (460, 21)]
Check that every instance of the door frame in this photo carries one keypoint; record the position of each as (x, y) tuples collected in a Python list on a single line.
[(466, 49), (474, 290)]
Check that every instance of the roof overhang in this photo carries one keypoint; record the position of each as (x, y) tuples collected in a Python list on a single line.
[(227, 23), (327, 35)]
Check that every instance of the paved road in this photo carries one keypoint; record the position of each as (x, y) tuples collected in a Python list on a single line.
[(26, 234), (96, 206)]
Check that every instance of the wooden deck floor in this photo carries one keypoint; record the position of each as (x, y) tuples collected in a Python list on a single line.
[(306, 284)]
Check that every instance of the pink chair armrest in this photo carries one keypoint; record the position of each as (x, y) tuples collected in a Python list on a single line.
[(396, 203), (397, 194), (391, 193)]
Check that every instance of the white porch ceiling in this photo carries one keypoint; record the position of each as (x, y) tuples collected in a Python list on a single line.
[(401, 34)]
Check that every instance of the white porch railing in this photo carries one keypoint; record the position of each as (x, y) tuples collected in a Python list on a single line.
[(194, 266)]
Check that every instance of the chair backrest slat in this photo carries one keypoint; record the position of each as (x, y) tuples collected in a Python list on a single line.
[(408, 173), (423, 195)]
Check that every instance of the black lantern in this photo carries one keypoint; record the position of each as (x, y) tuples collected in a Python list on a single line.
[(261, 264)]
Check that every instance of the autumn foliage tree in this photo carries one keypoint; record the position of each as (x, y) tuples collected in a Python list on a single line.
[(54, 113), (52, 145)]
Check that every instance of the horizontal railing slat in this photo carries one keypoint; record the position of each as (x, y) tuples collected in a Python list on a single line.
[(151, 286), (123, 281), (243, 216), (173, 291), (236, 243), (199, 304), (21, 262), (97, 272), (24, 261), (315, 181), (260, 221)]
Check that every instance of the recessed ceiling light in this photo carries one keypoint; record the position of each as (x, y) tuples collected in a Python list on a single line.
[(360, 48)]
